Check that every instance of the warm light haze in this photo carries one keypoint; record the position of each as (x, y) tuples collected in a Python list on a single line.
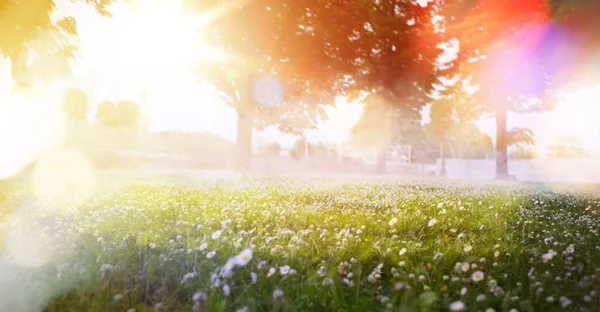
[(299, 155)]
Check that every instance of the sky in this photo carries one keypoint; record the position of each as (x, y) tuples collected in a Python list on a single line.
[(120, 60)]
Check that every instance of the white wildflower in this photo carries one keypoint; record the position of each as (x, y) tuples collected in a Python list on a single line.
[(477, 276), (243, 257), (457, 306)]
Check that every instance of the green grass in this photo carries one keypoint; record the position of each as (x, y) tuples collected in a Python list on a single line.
[(129, 247)]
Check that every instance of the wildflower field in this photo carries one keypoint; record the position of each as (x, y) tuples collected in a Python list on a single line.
[(300, 246)]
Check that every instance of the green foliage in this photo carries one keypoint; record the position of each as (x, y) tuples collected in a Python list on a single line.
[(520, 136)]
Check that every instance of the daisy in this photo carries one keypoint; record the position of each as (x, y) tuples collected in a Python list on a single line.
[(477, 276), (284, 270), (243, 257), (457, 306)]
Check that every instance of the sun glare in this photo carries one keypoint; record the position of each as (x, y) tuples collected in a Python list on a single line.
[(30, 124), (341, 119), (154, 46), (578, 113)]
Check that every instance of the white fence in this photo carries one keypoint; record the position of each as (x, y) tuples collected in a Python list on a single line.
[(538, 170)]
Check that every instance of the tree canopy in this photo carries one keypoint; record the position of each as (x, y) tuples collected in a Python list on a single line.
[(24, 22), (516, 52)]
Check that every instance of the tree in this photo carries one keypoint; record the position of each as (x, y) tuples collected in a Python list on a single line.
[(266, 66), (513, 53), (519, 137), (108, 115), (393, 55), (126, 114), (130, 114), (22, 22), (76, 105), (567, 147)]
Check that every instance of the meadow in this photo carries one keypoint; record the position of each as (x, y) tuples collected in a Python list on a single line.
[(300, 245)]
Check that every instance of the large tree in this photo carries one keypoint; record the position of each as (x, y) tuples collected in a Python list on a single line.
[(515, 53), (394, 56), (276, 61)]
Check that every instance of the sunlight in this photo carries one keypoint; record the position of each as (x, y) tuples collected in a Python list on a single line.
[(578, 113), (63, 174), (341, 119), (153, 48), (146, 53), (31, 124)]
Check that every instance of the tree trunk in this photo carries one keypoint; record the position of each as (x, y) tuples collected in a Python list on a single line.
[(501, 148), (243, 160)]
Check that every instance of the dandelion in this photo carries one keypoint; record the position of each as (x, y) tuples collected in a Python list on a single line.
[(284, 270), (211, 254), (402, 251), (243, 257), (432, 222), (477, 276), (271, 272), (457, 306)]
